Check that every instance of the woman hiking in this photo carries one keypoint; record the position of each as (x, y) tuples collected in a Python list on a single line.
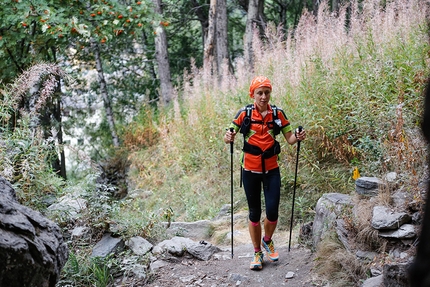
[(259, 123)]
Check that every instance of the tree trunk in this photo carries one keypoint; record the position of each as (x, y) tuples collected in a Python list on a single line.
[(57, 115), (315, 7), (216, 44), (209, 48), (202, 17), (162, 56), (222, 38), (61, 168), (104, 92), (334, 5), (249, 32), (261, 17)]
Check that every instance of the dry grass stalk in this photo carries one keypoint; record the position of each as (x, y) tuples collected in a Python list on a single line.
[(337, 264)]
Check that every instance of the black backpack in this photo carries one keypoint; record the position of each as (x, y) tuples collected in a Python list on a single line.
[(255, 150), (247, 121)]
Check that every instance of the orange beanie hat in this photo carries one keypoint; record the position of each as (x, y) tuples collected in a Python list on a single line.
[(258, 82)]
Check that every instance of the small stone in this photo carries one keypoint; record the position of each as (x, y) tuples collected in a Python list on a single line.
[(186, 279), (289, 275)]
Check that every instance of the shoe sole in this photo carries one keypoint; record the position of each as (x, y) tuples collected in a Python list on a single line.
[(267, 254), (272, 260), (256, 267)]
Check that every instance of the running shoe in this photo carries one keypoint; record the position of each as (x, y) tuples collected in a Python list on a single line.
[(257, 263), (270, 250)]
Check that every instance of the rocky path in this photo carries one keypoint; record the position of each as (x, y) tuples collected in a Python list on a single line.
[(294, 269)]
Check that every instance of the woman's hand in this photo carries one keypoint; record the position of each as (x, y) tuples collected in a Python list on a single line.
[(229, 136), (300, 135), (295, 136)]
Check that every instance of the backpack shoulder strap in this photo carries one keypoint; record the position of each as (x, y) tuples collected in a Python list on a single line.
[(276, 127), (275, 112), (246, 124), (249, 109)]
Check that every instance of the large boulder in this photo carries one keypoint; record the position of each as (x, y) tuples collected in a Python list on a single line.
[(328, 215), (32, 250)]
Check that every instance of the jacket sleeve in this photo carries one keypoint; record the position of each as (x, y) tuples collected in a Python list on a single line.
[(285, 123)]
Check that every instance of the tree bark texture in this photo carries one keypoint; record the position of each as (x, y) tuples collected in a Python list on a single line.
[(249, 32), (105, 94), (209, 48), (202, 17), (162, 56), (216, 44), (221, 37)]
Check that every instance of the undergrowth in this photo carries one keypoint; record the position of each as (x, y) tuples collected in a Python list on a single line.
[(353, 80), (356, 88)]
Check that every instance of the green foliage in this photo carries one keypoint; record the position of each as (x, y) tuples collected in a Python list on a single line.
[(356, 92), (26, 153), (355, 88), (46, 26), (82, 270)]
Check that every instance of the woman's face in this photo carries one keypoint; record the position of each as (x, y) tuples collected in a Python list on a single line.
[(262, 96)]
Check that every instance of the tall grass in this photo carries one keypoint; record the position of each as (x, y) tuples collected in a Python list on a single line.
[(353, 79), (25, 153)]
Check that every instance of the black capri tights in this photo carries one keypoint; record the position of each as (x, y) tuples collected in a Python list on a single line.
[(272, 192)]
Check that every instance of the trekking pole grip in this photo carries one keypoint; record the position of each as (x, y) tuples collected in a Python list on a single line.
[(300, 128), (231, 143)]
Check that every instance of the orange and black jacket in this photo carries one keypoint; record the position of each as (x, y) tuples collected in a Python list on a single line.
[(260, 146)]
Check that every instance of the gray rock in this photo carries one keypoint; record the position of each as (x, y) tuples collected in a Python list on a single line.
[(289, 275), (175, 246), (139, 245), (178, 245), (154, 266), (202, 251), (237, 277), (406, 231), (384, 218), (32, 249), (107, 245), (197, 230), (366, 255), (342, 232), (140, 271), (375, 272), (224, 211), (6, 189), (391, 176), (368, 186), (79, 232), (68, 206), (401, 198), (329, 207), (417, 218), (373, 282)]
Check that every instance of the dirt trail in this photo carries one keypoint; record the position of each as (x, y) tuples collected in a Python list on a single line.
[(222, 270)]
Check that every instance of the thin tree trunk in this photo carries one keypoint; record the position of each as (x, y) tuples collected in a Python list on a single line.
[(162, 56), (105, 94), (209, 48), (315, 6), (249, 32), (222, 38), (202, 17), (58, 118)]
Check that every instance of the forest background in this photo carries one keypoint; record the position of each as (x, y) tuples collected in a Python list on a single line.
[(125, 102)]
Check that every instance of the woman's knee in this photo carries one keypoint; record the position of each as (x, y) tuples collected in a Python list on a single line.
[(272, 216), (254, 215)]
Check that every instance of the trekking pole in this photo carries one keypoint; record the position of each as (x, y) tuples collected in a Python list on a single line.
[(294, 192), (231, 199)]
